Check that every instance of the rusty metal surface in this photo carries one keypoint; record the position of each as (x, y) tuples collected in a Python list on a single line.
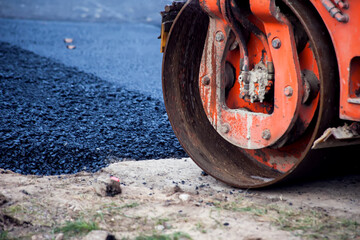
[(245, 128), (206, 147), (334, 11), (345, 39), (215, 155), (339, 136), (167, 18)]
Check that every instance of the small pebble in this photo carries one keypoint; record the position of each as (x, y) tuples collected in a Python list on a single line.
[(184, 197), (68, 40), (60, 236), (159, 227), (71, 47)]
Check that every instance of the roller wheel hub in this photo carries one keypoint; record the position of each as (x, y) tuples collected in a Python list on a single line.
[(246, 115), (246, 103)]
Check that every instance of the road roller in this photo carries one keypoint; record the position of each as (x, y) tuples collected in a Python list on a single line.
[(261, 92)]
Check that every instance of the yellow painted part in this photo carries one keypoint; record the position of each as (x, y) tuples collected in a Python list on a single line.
[(164, 36)]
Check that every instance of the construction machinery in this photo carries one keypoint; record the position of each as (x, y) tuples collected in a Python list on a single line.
[(263, 91)]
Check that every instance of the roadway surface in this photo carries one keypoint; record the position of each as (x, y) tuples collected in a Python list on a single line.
[(66, 110), (115, 40)]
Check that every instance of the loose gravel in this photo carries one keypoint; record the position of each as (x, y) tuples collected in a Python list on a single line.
[(57, 120)]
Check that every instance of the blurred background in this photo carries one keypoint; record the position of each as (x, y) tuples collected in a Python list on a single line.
[(80, 85), (114, 39)]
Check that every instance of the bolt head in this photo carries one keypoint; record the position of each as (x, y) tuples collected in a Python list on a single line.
[(219, 37), (225, 129), (206, 80), (234, 45), (276, 43), (266, 134), (288, 91)]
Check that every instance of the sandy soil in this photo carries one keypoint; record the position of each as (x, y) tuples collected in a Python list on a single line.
[(162, 197)]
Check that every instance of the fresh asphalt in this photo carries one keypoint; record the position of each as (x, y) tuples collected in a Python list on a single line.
[(114, 40), (64, 111)]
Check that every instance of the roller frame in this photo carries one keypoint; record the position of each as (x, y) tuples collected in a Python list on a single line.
[(203, 143)]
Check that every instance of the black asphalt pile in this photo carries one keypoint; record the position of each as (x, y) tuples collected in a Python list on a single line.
[(56, 119)]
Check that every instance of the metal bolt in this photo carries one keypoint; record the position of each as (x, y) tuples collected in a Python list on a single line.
[(288, 91), (219, 37), (266, 134), (225, 128), (206, 80), (276, 43), (234, 45), (342, 4)]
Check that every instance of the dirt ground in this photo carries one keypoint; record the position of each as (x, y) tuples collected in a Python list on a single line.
[(174, 199)]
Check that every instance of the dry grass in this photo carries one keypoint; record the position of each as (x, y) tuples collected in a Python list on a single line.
[(307, 224)]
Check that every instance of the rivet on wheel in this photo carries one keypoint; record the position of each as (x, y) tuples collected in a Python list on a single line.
[(219, 36), (206, 80), (225, 129), (276, 43), (288, 91), (266, 134)]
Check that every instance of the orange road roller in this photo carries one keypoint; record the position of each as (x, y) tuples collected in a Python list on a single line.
[(260, 92)]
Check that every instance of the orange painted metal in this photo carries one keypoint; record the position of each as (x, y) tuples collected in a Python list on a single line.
[(265, 123), (233, 101), (355, 78), (190, 67), (346, 37), (283, 159)]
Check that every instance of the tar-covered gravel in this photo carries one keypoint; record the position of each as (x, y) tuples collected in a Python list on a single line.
[(56, 119)]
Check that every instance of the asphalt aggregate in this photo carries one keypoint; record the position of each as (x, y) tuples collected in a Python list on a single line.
[(127, 54), (56, 119)]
